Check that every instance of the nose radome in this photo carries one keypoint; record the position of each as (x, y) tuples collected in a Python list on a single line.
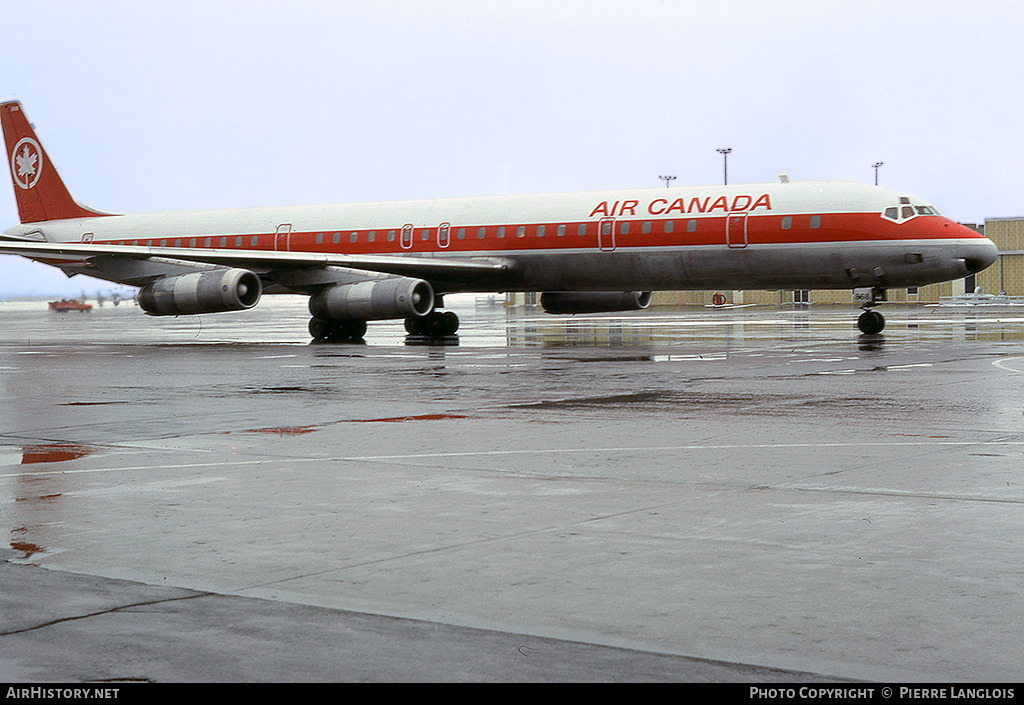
[(979, 255)]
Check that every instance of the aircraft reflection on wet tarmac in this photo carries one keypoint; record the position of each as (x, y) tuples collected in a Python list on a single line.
[(761, 485), (280, 320)]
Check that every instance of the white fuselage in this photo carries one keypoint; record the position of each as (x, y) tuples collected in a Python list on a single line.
[(800, 235)]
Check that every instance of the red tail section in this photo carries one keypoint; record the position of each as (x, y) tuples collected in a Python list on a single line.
[(38, 189)]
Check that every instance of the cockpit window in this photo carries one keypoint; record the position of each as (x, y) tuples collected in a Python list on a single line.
[(905, 211)]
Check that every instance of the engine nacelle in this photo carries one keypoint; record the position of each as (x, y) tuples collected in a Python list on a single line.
[(594, 301), (375, 299), (212, 291)]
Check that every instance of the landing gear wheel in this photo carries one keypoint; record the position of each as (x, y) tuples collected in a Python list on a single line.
[(436, 324), (319, 328), (336, 331), (414, 325), (345, 331), (871, 322), (451, 323), (442, 323)]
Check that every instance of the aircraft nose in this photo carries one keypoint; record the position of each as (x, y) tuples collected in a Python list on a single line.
[(979, 255)]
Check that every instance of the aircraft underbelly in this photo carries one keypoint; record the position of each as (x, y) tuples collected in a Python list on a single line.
[(754, 267)]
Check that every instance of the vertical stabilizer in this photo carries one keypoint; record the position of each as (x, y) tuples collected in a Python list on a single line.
[(38, 189)]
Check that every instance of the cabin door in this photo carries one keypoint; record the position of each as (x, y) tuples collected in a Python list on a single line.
[(282, 237), (736, 230), (606, 234)]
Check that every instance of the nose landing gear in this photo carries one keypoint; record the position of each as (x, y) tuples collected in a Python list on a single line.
[(870, 322)]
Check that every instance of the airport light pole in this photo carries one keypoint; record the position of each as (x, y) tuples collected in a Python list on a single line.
[(725, 163), (667, 179), (876, 165)]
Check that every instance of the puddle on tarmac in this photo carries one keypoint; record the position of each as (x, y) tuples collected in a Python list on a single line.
[(53, 452)]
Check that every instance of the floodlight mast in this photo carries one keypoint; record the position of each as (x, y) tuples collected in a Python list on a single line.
[(725, 164)]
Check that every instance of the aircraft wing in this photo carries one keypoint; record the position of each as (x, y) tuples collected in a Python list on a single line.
[(77, 255)]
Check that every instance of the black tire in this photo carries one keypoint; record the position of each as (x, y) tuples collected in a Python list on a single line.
[(319, 328), (449, 323), (871, 323), (347, 331), (415, 325)]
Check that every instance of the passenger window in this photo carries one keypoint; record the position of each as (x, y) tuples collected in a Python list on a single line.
[(581, 229), (337, 238), (670, 225), (691, 226), (521, 231), (480, 233), (561, 230), (223, 242), (787, 223), (319, 238), (646, 227), (461, 234), (624, 228), (391, 236), (501, 232), (254, 240), (353, 237), (371, 236), (540, 231), (238, 241), (815, 221)]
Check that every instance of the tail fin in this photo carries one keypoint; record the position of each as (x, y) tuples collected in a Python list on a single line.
[(38, 189)]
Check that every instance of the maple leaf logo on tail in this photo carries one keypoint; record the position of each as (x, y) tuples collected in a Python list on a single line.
[(25, 163)]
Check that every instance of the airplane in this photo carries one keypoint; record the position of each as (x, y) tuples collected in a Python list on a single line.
[(587, 252)]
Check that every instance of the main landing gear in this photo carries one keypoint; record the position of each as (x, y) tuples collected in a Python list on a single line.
[(436, 324), (870, 322), (337, 331)]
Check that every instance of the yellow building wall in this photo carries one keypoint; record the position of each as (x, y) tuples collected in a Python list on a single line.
[(1007, 274)]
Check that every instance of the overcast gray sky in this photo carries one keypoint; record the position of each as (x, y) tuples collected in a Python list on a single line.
[(165, 106)]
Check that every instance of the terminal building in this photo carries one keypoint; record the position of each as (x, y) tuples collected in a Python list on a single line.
[(1006, 275)]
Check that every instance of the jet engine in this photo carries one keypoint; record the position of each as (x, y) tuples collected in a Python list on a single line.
[(594, 301), (375, 299), (211, 291)]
